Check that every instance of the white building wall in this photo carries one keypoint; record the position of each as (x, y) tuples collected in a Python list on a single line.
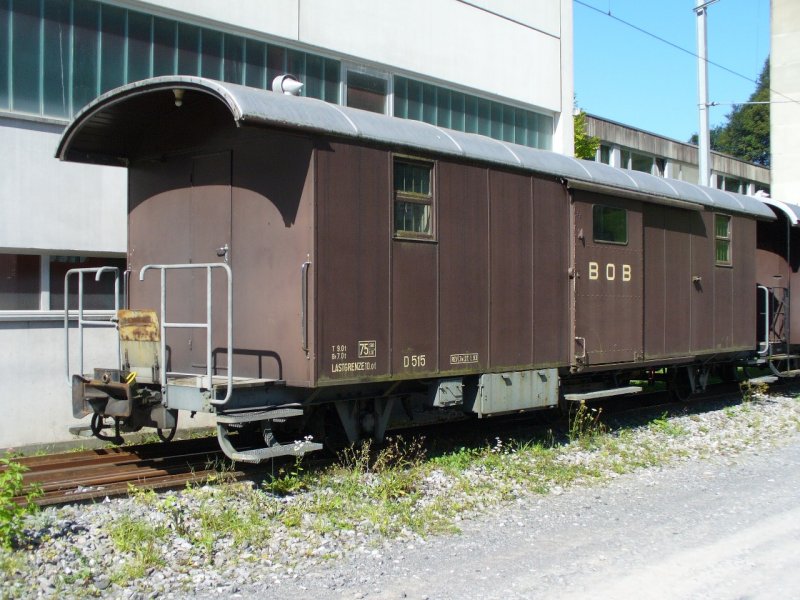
[(785, 116), (521, 51), (36, 399), (53, 206), (37, 406), (483, 52)]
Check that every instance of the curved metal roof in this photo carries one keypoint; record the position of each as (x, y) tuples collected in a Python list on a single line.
[(88, 138), (790, 211)]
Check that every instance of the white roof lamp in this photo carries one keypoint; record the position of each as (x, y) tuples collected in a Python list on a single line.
[(287, 84)]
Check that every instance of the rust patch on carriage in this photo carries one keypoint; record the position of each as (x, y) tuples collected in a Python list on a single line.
[(138, 326)]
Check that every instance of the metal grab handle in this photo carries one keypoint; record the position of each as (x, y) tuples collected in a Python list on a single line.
[(98, 271), (304, 305), (765, 342), (207, 325), (583, 344)]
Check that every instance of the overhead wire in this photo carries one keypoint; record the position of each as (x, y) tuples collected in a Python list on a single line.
[(678, 47)]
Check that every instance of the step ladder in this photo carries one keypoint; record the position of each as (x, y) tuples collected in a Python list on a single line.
[(273, 449), (774, 332)]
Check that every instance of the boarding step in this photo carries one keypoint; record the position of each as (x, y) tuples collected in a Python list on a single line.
[(259, 415), (217, 381), (789, 374), (621, 391), (298, 448), (762, 379)]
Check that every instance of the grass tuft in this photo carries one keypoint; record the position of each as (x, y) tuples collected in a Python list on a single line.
[(13, 514)]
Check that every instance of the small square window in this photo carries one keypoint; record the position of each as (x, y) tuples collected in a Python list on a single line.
[(97, 295), (722, 240), (413, 199), (19, 282), (609, 224), (366, 92)]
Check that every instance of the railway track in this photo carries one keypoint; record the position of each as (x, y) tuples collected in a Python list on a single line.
[(95, 474), (92, 474)]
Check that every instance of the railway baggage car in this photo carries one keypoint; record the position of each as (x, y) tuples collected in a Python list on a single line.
[(294, 264)]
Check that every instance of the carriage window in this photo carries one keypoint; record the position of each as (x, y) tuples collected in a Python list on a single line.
[(609, 224), (413, 199), (722, 239)]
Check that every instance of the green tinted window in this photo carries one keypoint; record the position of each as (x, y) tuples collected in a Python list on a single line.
[(25, 56), (610, 225), (413, 200), (411, 178), (58, 55), (722, 241), (55, 80), (112, 42), (463, 112), (188, 49)]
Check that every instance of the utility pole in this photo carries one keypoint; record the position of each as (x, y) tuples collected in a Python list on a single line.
[(703, 136)]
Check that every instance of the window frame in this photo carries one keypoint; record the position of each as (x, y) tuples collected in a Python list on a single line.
[(349, 67), (44, 310), (414, 198), (728, 239), (597, 240)]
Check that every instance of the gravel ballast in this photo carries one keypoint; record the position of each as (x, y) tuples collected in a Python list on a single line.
[(172, 545)]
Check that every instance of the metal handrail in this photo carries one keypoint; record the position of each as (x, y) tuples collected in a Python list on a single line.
[(207, 325), (765, 344), (98, 271), (304, 306)]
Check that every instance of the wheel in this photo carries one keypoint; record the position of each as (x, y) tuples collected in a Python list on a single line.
[(166, 437), (99, 423), (679, 385)]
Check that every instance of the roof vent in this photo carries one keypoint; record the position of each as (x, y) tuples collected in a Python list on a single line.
[(287, 84)]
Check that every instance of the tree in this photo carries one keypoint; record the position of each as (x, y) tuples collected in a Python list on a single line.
[(745, 135), (585, 144)]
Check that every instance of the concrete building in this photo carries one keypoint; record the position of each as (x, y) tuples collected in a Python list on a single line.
[(784, 66), (499, 67), (628, 148)]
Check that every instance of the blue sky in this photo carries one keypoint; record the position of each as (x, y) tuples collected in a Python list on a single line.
[(626, 76)]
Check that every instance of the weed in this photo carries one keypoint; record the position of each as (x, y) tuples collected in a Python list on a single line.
[(223, 471), (12, 513), (10, 563), (751, 390), (131, 535), (144, 496), (79, 572), (399, 453), (141, 539), (289, 480), (170, 505), (455, 462), (665, 425), (585, 426)]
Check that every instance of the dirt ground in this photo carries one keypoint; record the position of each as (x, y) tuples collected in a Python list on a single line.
[(723, 528)]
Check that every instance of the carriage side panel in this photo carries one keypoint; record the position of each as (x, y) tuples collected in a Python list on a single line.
[(352, 262), (511, 286), (702, 291), (744, 301), (463, 267), (551, 256), (272, 222), (667, 280)]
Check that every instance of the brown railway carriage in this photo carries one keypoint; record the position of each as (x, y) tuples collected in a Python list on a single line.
[(393, 269), (777, 272)]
